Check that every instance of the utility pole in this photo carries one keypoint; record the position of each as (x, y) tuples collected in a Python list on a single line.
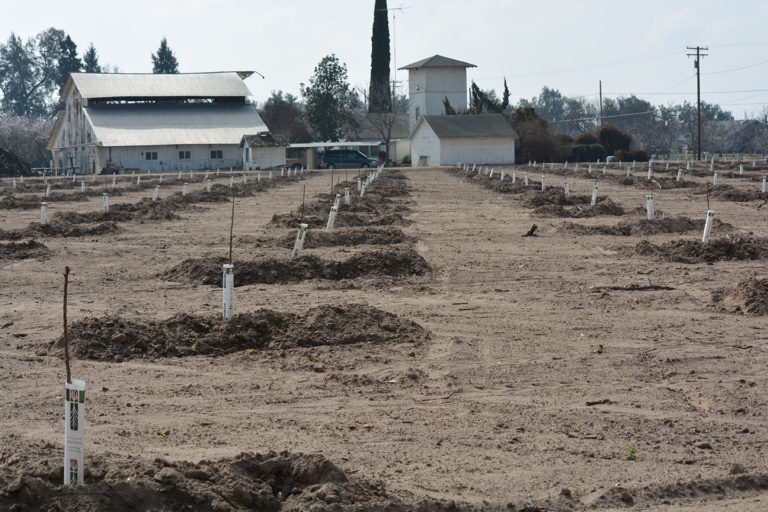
[(601, 103), (697, 65)]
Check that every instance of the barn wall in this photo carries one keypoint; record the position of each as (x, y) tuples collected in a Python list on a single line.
[(424, 142), (477, 150), (134, 157), (74, 148)]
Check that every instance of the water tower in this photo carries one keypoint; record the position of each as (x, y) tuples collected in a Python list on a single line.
[(430, 81)]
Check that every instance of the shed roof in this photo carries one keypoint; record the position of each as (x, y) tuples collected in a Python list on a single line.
[(470, 126), (261, 140), (365, 126), (438, 61), (148, 85), (160, 125)]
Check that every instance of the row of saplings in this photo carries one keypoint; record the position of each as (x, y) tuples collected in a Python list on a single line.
[(269, 481), (365, 211), (97, 223), (749, 297)]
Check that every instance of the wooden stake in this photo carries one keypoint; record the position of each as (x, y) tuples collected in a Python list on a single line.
[(303, 195), (231, 227), (66, 339), (331, 181)]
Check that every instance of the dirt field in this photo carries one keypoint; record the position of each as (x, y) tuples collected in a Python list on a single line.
[(434, 359)]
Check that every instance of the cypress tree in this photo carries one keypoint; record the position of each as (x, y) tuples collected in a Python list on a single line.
[(379, 99)]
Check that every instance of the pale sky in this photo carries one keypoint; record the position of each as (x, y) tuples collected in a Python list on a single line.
[(633, 47)]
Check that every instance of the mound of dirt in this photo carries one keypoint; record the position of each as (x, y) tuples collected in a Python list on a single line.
[(144, 210), (644, 227), (59, 228), (739, 195), (23, 250), (22, 203), (538, 198), (604, 206), (348, 237), (268, 482), (117, 339), (749, 297), (343, 219), (694, 251), (12, 165), (666, 183), (391, 262)]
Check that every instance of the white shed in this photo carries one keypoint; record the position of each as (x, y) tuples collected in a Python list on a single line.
[(445, 140), (262, 151)]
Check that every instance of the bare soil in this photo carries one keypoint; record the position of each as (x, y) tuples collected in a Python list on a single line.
[(550, 359), (645, 227), (115, 338), (385, 235), (694, 251), (23, 250), (749, 297), (384, 262)]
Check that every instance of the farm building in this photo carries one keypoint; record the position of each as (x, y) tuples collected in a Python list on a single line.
[(445, 140), (156, 123), (430, 81), (373, 126), (262, 151)]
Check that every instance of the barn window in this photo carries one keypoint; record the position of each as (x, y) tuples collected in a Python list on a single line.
[(151, 155), (216, 154), (184, 155)]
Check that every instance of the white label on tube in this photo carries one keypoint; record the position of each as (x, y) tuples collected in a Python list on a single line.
[(649, 206), (708, 226), (74, 432), (298, 246), (594, 196), (331, 219), (228, 291)]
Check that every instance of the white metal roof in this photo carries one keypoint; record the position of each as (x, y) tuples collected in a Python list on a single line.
[(343, 144), (155, 125), (140, 85)]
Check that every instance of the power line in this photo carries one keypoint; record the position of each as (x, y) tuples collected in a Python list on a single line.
[(736, 69)]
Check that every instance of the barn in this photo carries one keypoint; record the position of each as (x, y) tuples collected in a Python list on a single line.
[(155, 122), (445, 140)]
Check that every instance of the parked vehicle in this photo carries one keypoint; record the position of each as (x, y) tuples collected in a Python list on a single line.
[(346, 159)]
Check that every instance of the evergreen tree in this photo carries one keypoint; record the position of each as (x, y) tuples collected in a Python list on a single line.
[(505, 97), (91, 61), (449, 110), (28, 73), (379, 99), (328, 99), (69, 62), (165, 61)]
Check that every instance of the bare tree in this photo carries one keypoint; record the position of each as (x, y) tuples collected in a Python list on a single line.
[(384, 122)]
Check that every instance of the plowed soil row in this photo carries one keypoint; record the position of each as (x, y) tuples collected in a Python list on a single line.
[(117, 339), (391, 262)]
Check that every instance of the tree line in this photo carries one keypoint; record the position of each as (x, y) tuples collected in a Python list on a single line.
[(33, 72)]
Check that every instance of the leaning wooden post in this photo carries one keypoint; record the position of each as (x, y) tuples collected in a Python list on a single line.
[(74, 413), (66, 339)]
